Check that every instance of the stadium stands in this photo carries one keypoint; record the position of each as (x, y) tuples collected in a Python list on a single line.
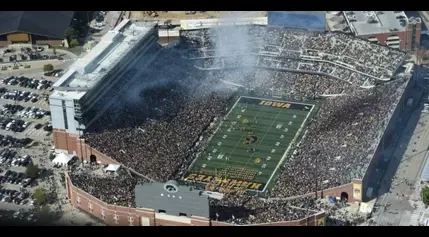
[(160, 125), (335, 54)]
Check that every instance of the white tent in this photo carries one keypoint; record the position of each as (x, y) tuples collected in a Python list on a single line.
[(62, 159), (112, 167)]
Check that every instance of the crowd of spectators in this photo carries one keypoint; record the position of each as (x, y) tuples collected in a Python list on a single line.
[(340, 141), (337, 54), (115, 189), (245, 209), (159, 123), (162, 122), (288, 85)]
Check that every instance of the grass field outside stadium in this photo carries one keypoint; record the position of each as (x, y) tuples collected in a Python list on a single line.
[(250, 143)]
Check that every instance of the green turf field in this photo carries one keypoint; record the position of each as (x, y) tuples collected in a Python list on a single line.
[(249, 143)]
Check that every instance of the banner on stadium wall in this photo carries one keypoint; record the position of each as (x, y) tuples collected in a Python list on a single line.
[(357, 192), (321, 221)]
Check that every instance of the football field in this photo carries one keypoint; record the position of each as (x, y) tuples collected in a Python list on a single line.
[(250, 143)]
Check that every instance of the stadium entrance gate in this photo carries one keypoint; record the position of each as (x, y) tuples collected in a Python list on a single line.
[(344, 196), (92, 159)]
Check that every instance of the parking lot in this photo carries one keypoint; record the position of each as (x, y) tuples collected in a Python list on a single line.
[(24, 142), (24, 54)]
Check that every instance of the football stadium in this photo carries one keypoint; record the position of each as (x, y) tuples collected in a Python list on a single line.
[(232, 125)]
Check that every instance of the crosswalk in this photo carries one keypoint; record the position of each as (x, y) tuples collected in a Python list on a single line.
[(415, 218), (419, 216)]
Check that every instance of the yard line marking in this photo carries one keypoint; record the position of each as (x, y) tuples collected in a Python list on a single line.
[(266, 132), (244, 134), (212, 135)]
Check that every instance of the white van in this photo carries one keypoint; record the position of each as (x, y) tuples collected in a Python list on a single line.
[(8, 126)]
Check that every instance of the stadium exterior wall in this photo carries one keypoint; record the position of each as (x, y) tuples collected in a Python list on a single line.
[(385, 140), (409, 38), (78, 147), (405, 38), (113, 215), (331, 192)]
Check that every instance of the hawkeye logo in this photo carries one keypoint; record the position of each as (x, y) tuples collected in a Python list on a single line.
[(275, 104)]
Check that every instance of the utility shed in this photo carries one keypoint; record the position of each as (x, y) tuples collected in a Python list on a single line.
[(172, 199)]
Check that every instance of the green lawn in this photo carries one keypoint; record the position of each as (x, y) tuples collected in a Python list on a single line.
[(250, 143)]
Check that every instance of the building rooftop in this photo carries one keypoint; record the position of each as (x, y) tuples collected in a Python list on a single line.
[(375, 22), (44, 23), (312, 20), (172, 198), (87, 71)]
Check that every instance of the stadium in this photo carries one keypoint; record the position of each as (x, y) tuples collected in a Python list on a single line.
[(234, 125)]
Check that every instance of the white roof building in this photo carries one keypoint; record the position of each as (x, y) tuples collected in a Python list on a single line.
[(62, 159)]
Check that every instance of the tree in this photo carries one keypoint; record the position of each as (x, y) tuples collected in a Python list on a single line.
[(39, 196), (31, 171), (425, 195), (70, 33), (74, 43), (48, 67)]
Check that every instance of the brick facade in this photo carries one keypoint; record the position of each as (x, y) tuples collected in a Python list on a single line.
[(113, 215), (5, 43), (405, 37)]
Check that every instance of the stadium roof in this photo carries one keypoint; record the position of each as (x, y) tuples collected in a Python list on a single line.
[(44, 23), (182, 200), (87, 71), (376, 22), (312, 20)]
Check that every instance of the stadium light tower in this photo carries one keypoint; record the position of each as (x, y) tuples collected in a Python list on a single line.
[(79, 122)]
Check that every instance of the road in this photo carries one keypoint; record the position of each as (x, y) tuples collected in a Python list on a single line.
[(13, 207), (37, 67), (395, 205)]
